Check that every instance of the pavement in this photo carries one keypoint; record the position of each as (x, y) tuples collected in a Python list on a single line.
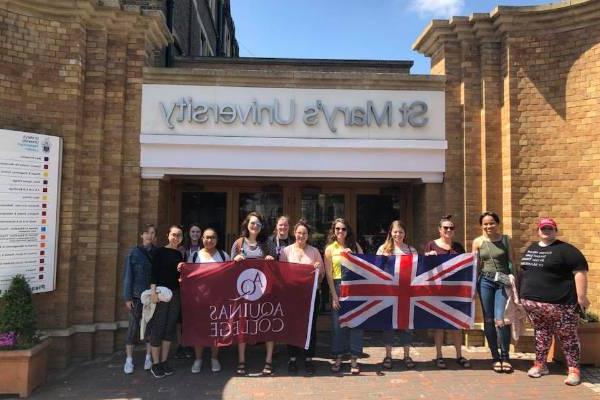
[(103, 378)]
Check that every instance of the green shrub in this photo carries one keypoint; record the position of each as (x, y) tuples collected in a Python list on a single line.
[(17, 313)]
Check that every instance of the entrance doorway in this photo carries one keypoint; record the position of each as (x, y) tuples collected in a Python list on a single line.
[(369, 207)]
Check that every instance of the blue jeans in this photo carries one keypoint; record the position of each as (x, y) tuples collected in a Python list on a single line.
[(344, 339), (404, 336), (493, 302)]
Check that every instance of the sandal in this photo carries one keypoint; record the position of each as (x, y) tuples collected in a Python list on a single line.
[(354, 367), (497, 366), (463, 362), (410, 364), (292, 367), (267, 369), (337, 365), (506, 367), (387, 363), (241, 369), (309, 367), (440, 363)]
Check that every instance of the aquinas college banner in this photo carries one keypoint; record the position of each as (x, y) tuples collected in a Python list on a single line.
[(247, 302)]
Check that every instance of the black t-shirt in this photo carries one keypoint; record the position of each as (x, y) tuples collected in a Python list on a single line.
[(164, 267), (547, 273)]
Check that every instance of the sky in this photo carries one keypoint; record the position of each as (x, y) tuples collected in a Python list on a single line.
[(345, 29)]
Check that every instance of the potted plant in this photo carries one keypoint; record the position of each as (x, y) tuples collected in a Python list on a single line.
[(23, 356), (589, 337)]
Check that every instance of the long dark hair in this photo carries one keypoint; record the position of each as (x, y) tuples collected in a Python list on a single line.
[(262, 235), (187, 242), (350, 238)]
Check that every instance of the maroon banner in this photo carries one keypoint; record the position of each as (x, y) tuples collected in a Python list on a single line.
[(247, 302)]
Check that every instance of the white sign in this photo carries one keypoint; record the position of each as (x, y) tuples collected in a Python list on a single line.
[(223, 111), (29, 199)]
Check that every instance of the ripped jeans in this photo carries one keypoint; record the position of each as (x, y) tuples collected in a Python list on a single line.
[(493, 302)]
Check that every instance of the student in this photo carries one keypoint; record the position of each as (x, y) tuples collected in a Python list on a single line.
[(553, 289), (395, 244), (208, 254), (164, 321), (136, 279), (446, 245), (341, 238), (252, 244), (280, 238), (301, 252), (494, 272)]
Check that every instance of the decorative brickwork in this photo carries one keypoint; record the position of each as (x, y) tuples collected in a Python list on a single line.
[(78, 75), (528, 115)]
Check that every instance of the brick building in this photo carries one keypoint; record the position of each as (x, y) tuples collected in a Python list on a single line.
[(512, 101), (200, 28)]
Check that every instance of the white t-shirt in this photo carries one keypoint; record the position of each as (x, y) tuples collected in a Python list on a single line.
[(203, 257)]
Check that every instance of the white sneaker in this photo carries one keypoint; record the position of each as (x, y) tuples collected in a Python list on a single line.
[(215, 365), (197, 367), (128, 367), (148, 364), (538, 370)]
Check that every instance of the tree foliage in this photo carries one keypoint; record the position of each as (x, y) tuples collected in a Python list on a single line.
[(17, 313)]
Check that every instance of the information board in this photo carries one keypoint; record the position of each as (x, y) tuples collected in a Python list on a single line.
[(30, 167)]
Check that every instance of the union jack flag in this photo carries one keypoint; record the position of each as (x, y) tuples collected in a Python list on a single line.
[(408, 291)]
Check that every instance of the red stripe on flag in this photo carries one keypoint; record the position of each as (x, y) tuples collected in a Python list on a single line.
[(439, 290), (369, 290), (369, 267), (360, 311), (447, 271), (444, 314)]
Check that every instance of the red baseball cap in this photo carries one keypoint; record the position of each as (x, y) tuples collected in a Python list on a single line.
[(547, 222)]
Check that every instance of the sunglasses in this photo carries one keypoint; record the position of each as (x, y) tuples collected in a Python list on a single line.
[(337, 228), (448, 228), (257, 224), (547, 228)]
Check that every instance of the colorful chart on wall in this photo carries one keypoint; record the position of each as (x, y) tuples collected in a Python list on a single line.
[(30, 167)]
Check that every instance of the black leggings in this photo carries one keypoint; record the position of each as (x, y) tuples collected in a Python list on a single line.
[(294, 351), (164, 321)]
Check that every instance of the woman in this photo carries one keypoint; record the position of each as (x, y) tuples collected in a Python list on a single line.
[(136, 279), (395, 244), (553, 288), (165, 263), (445, 245), (341, 239), (252, 244), (280, 238), (193, 242), (190, 246), (208, 254), (302, 253), (495, 272)]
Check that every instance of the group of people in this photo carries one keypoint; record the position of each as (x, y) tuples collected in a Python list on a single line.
[(550, 285)]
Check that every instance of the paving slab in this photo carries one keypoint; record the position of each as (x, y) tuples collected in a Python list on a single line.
[(103, 378)]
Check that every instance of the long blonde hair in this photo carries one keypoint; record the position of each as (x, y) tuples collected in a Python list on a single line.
[(388, 245)]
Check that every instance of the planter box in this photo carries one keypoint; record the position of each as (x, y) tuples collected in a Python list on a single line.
[(589, 336), (23, 370)]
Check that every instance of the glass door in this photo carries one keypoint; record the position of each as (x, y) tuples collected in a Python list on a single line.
[(207, 209)]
